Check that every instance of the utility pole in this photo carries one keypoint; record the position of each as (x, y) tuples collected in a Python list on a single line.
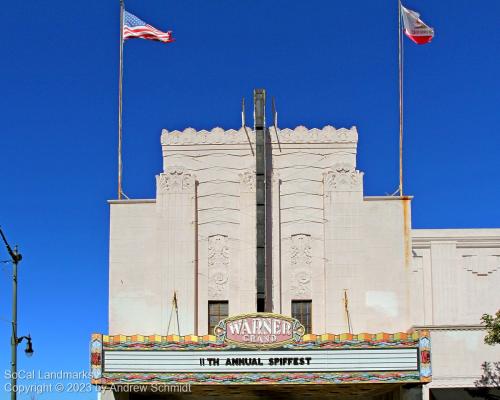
[(16, 257)]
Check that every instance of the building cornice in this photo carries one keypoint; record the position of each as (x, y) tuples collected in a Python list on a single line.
[(384, 198), (448, 327), (132, 201), (464, 238)]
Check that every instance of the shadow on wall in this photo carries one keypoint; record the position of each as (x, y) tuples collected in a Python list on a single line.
[(488, 386), (465, 394)]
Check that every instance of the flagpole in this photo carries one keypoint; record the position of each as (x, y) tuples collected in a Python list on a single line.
[(400, 51), (120, 92)]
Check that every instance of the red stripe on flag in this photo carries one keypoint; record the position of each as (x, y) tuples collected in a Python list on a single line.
[(147, 32), (419, 39)]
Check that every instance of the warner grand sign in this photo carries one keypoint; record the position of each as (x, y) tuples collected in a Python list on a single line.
[(261, 348), (259, 330)]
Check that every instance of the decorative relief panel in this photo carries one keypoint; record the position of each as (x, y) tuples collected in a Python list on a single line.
[(300, 259), (247, 181), (218, 267), (175, 180), (343, 177), (481, 265)]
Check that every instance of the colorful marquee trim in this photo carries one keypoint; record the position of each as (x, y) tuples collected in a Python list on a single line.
[(310, 341), (260, 378)]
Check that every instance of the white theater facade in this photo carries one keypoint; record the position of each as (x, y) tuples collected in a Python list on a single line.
[(357, 303)]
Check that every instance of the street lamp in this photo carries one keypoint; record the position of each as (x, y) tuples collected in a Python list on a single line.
[(15, 340), (29, 346)]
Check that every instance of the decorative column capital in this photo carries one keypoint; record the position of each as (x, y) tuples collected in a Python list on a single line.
[(343, 177), (175, 180)]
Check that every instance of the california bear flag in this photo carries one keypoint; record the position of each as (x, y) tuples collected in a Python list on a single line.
[(415, 28)]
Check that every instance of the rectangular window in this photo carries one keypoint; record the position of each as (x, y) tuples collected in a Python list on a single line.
[(217, 310), (301, 310)]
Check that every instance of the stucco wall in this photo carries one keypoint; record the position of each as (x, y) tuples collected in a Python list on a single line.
[(457, 274), (457, 356)]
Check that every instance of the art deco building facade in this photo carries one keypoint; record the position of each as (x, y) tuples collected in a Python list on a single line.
[(336, 260)]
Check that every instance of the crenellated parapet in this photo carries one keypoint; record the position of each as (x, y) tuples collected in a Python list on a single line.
[(327, 134), (191, 136), (299, 134)]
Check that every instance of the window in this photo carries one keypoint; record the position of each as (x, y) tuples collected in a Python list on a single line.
[(301, 310), (217, 310)]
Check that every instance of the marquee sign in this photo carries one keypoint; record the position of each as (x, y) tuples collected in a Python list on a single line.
[(130, 361), (259, 330), (261, 348)]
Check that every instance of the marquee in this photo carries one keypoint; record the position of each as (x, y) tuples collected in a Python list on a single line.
[(261, 348)]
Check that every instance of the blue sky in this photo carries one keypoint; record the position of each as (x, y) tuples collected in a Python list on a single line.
[(325, 62)]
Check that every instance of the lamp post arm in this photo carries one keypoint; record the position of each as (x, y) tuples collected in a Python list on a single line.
[(16, 257), (20, 339)]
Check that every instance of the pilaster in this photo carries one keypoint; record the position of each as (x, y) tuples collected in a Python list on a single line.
[(247, 301), (343, 198), (175, 194)]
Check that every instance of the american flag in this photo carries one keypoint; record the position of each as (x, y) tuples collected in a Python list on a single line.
[(134, 27)]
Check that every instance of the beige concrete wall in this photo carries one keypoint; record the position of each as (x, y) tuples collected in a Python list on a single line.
[(459, 274), (134, 277), (457, 355), (456, 276)]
